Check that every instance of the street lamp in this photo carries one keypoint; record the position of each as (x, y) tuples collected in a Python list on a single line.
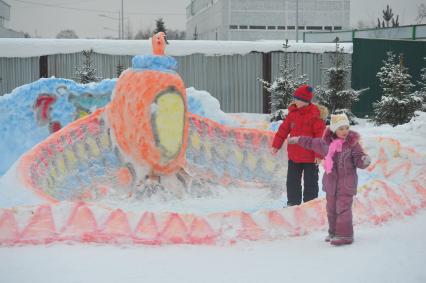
[(297, 20)]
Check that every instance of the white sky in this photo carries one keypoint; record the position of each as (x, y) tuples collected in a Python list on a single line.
[(38, 17)]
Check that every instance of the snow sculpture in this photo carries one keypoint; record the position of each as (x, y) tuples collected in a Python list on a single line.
[(146, 142)]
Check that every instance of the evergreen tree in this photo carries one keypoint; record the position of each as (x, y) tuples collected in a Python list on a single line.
[(398, 103), (335, 96), (388, 18), (159, 25), (283, 87), (87, 73)]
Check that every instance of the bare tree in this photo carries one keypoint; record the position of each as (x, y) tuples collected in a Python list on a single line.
[(67, 33), (421, 13), (143, 34)]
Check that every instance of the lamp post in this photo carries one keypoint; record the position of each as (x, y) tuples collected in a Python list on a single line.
[(297, 20)]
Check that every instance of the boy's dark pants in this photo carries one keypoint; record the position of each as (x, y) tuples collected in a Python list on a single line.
[(294, 182)]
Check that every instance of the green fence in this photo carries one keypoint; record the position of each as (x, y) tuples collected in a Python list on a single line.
[(367, 59)]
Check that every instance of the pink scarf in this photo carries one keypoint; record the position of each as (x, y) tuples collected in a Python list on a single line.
[(335, 146)]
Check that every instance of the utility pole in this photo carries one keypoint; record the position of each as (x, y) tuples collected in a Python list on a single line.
[(297, 20)]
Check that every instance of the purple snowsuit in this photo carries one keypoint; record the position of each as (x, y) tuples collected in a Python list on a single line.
[(341, 184)]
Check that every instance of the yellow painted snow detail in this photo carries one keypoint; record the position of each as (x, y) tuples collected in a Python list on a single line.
[(169, 123), (60, 164), (251, 161), (93, 147), (208, 149), (268, 165), (72, 159), (81, 151), (221, 150), (105, 141), (48, 186), (52, 172), (239, 156), (195, 141)]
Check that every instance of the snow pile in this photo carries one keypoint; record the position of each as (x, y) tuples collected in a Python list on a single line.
[(202, 103)]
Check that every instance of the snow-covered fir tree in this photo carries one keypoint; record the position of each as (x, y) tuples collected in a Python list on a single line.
[(398, 103), (86, 73), (335, 95), (422, 84), (283, 87)]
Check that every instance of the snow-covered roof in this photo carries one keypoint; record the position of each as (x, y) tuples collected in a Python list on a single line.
[(34, 47)]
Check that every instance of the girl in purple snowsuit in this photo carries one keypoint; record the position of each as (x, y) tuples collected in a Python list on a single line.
[(343, 154)]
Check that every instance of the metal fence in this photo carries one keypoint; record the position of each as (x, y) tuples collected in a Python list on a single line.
[(15, 72), (403, 32), (368, 58), (232, 79)]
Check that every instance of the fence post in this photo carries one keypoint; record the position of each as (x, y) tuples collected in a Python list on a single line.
[(413, 36), (43, 66), (266, 76)]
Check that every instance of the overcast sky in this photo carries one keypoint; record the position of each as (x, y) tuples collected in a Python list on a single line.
[(47, 17)]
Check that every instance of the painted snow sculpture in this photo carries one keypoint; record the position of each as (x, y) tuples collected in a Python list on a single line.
[(145, 142)]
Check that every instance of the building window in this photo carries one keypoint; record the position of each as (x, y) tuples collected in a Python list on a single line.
[(243, 27), (291, 27), (233, 27), (257, 27), (301, 27), (281, 27), (328, 27), (314, 27), (271, 27), (337, 28)]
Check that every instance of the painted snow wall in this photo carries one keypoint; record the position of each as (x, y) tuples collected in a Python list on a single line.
[(397, 189)]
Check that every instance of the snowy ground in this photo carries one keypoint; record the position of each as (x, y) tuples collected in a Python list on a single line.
[(392, 252)]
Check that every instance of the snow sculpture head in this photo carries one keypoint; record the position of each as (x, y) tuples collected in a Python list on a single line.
[(159, 42)]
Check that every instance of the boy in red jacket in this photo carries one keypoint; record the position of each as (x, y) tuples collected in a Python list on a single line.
[(303, 119)]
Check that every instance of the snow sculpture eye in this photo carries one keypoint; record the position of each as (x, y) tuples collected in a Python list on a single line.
[(168, 122)]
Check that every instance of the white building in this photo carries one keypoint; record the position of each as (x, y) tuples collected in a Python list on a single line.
[(263, 19), (4, 22)]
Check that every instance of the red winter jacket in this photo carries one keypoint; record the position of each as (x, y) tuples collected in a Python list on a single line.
[(304, 121)]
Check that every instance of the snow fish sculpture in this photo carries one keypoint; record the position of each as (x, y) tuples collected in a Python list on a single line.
[(145, 141)]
